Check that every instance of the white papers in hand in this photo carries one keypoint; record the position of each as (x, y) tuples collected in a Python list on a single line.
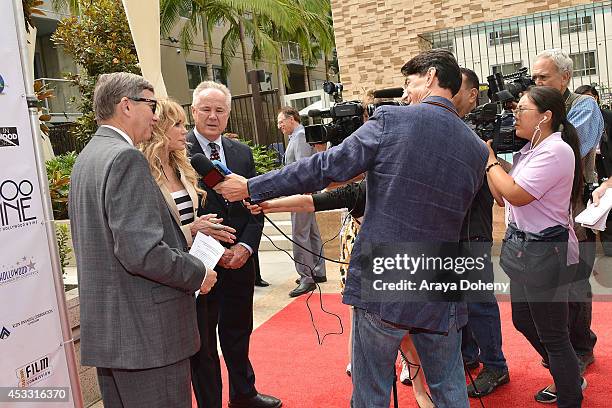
[(206, 249), (595, 217)]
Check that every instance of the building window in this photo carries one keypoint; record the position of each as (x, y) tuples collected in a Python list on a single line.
[(267, 84), (504, 36), (196, 73), (446, 44), (575, 25), (584, 63), (507, 68), (291, 53)]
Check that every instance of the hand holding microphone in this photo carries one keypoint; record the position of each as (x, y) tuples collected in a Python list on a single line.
[(231, 186)]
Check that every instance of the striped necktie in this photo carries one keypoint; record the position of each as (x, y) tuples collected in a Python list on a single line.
[(214, 153)]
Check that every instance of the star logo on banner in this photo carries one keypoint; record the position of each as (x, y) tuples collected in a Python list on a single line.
[(31, 265)]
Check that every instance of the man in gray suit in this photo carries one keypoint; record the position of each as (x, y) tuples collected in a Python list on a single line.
[(136, 282), (304, 228)]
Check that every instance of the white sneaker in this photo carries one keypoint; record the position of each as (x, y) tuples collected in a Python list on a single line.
[(405, 374)]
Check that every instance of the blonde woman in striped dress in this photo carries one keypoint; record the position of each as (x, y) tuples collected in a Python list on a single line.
[(178, 181)]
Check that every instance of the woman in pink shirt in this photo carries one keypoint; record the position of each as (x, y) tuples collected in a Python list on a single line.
[(540, 243)]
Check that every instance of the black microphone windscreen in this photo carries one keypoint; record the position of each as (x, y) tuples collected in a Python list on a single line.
[(211, 176), (201, 164), (389, 93), (313, 113)]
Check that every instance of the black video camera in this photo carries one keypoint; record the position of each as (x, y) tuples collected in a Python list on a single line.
[(498, 127), (346, 117), (489, 124), (508, 88)]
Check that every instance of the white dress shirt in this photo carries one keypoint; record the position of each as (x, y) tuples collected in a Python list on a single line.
[(207, 151), (121, 132), (206, 148)]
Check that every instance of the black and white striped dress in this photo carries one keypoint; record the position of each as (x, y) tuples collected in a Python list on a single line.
[(184, 205)]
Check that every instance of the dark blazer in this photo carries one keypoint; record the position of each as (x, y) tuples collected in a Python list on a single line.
[(136, 283), (424, 167), (239, 160)]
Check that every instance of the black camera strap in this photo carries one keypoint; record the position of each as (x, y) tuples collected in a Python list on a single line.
[(443, 106)]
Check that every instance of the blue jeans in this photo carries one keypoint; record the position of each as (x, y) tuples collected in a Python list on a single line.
[(482, 338), (375, 345)]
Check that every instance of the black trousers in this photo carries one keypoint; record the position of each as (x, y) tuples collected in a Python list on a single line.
[(229, 308), (581, 300), (542, 317)]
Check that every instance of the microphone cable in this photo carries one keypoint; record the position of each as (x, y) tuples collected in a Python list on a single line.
[(318, 287), (320, 256)]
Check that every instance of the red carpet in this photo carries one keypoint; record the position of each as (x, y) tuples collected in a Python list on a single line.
[(290, 365)]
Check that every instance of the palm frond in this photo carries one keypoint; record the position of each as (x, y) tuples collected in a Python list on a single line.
[(229, 43)]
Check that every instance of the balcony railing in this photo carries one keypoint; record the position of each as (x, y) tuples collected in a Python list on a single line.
[(62, 106), (292, 54)]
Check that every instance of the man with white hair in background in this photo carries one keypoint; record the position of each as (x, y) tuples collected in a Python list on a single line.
[(554, 68)]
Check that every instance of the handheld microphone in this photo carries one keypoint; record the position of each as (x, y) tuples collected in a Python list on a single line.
[(389, 93), (211, 175), (221, 167)]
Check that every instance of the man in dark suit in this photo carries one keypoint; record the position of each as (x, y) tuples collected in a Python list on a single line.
[(138, 318), (230, 305), (424, 166)]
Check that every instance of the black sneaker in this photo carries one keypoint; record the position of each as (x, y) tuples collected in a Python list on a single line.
[(546, 396), (487, 381)]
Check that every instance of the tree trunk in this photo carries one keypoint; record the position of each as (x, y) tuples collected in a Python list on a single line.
[(281, 85), (326, 67), (244, 52), (306, 74), (207, 51)]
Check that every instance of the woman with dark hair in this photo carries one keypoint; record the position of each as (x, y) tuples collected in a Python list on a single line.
[(540, 243)]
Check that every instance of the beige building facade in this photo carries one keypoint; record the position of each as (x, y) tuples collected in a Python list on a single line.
[(183, 69), (375, 38)]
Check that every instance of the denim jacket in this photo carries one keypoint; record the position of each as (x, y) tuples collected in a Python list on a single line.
[(424, 167)]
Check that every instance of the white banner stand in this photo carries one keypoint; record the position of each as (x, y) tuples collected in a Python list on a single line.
[(36, 345)]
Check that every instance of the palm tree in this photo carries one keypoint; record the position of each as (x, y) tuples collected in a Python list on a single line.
[(172, 10), (314, 36), (241, 17)]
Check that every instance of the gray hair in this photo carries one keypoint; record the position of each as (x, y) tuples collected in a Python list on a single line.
[(213, 85), (110, 88), (560, 58)]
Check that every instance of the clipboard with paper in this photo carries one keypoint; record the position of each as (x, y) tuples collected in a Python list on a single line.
[(206, 249), (594, 217)]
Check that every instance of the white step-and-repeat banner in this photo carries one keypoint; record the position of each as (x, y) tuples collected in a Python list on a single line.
[(32, 349)]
